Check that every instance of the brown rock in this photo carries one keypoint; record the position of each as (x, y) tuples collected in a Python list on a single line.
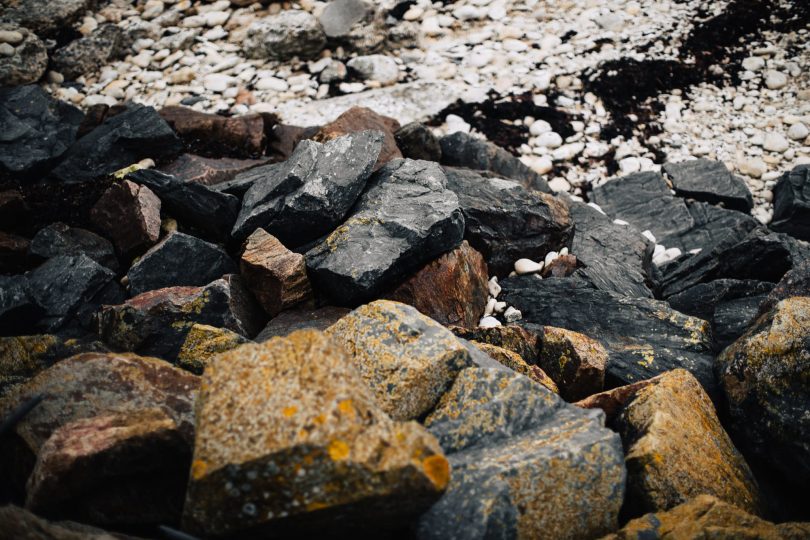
[(13, 253), (204, 342), (301, 318), (612, 401), (276, 275), (209, 171), (513, 361), (359, 119), (574, 361), (284, 138), (511, 337), (451, 290), (562, 266), (129, 215), (676, 449), (211, 135)]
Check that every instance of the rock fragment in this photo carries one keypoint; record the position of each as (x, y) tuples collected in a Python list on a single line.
[(289, 34), (214, 136), (27, 62), (60, 239), (573, 361), (709, 181), (129, 215), (358, 119)]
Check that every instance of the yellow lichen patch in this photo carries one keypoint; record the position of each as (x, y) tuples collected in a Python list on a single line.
[(437, 469), (289, 411), (338, 450), (198, 469), (346, 407), (315, 505)]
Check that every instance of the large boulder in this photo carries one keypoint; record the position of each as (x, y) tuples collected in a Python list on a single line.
[(129, 215), (60, 239), (406, 218), (289, 34), (212, 135), (513, 361), (791, 203), (88, 54), (46, 19), (417, 141), (14, 256), (711, 226), (292, 424), (203, 343), (28, 60), (510, 337), (21, 524), (359, 119), (795, 282), (709, 181)]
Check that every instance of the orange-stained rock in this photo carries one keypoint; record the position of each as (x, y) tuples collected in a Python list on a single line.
[(300, 318), (129, 215), (574, 361), (613, 401), (511, 337), (562, 266), (359, 119), (203, 343), (451, 290), (513, 361)]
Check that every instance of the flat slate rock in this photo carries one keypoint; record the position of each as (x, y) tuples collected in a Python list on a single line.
[(406, 218), (711, 226), (796, 282), (711, 182), (244, 180), (60, 239), (643, 337), (791, 203)]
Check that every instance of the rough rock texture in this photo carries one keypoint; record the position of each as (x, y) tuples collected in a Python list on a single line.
[(89, 54), (38, 129), (562, 266), (212, 135), (612, 401), (300, 318), (284, 36), (311, 193), (510, 337), (513, 361), (21, 524), (406, 218), (710, 227), (18, 310), (575, 362), (417, 141), (506, 221), (451, 290), (46, 18), (765, 376), (208, 171), (27, 63), (707, 517), (339, 16), (795, 282), (709, 181), (643, 337), (463, 150), (291, 423), (239, 185), (407, 359), (791, 203), (676, 449), (129, 215), (358, 119), (203, 343), (275, 275), (60, 239), (179, 260), (524, 463)]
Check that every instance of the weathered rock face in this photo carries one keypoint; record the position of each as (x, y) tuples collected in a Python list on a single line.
[(574, 362), (59, 239), (709, 181), (312, 449), (451, 290), (711, 227), (510, 337), (208, 171), (358, 119), (407, 359), (524, 463), (406, 218), (612, 401), (676, 449), (300, 318), (311, 193), (417, 141), (463, 150), (791, 203), (212, 135), (45, 19), (765, 377), (513, 361), (795, 282), (643, 337), (339, 16), (179, 260), (203, 343), (706, 516), (38, 129), (28, 60), (276, 275), (129, 215), (507, 222), (88, 54), (284, 36)]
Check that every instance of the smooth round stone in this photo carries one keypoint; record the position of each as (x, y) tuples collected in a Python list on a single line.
[(527, 266), (489, 322), (775, 79), (490, 309), (798, 132), (550, 257), (775, 142), (216, 82), (629, 165), (512, 314), (216, 18), (272, 83), (539, 127), (753, 63), (11, 37), (493, 287), (6, 49), (499, 307), (559, 184), (549, 139)]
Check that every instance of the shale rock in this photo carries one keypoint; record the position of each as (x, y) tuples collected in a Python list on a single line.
[(130, 215), (406, 218), (513, 361), (613, 401), (243, 181), (791, 203), (179, 260), (359, 119), (208, 171), (18, 309), (709, 181), (796, 282), (27, 63), (573, 361), (711, 227), (215, 136), (407, 359), (60, 239), (417, 141), (203, 343), (284, 36), (301, 318), (88, 54), (318, 417)]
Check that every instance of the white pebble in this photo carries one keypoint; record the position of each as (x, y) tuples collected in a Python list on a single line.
[(620, 222), (550, 257), (489, 322), (527, 266), (512, 314), (499, 307), (798, 132), (775, 142), (775, 79), (490, 309), (549, 139), (494, 288), (649, 235), (597, 208), (563, 252)]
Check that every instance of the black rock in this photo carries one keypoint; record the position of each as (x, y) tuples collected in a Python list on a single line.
[(763, 255), (179, 259), (18, 310), (243, 181), (191, 203), (59, 239), (796, 282), (463, 150), (406, 218), (37, 129), (643, 337), (312, 192), (791, 203), (417, 141), (711, 226), (711, 182), (121, 140), (506, 221), (88, 54)]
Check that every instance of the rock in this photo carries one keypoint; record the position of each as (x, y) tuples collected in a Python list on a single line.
[(643, 337), (284, 36), (676, 449), (375, 67), (19, 523), (89, 54), (775, 142), (46, 19), (312, 192), (612, 401), (406, 217), (463, 150), (214, 136), (324, 422), (13, 253), (38, 129), (203, 343), (179, 260), (764, 376), (505, 221), (513, 361), (339, 16), (27, 62), (527, 266), (60, 239), (710, 227), (335, 72), (194, 204), (798, 132), (130, 215), (276, 275), (511, 337), (358, 119), (561, 266), (417, 141), (775, 80), (709, 181), (407, 359), (791, 203), (126, 138), (18, 309), (157, 322), (243, 181), (451, 290), (208, 171), (511, 441), (795, 282), (300, 318), (573, 361)]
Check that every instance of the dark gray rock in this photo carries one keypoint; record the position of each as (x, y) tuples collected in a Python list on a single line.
[(312, 192), (59, 239), (406, 218), (28, 61), (243, 181), (711, 226), (88, 54), (18, 310), (791, 203), (763, 255), (796, 282), (339, 16), (46, 18), (711, 182), (179, 259), (506, 221), (643, 337), (126, 138), (463, 150), (417, 141), (37, 129), (191, 203), (291, 33)]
